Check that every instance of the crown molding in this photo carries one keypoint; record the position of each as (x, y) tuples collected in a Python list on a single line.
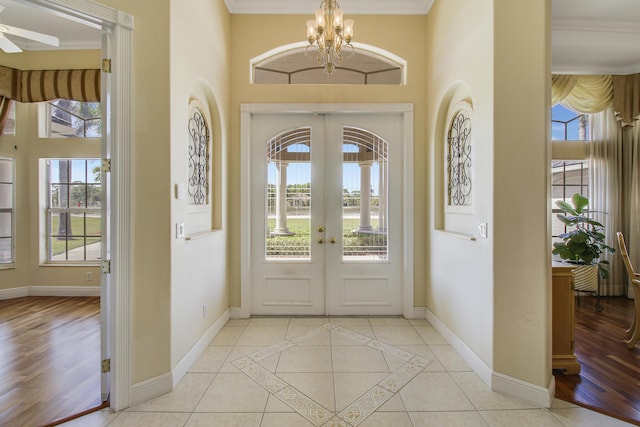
[(589, 70), (352, 7), (594, 25)]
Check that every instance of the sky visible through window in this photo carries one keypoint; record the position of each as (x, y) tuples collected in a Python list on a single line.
[(80, 170), (299, 172), (560, 113)]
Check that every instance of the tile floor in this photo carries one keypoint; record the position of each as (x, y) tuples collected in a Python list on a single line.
[(344, 371)]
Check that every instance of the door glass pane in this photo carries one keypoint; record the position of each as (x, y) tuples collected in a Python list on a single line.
[(364, 201), (288, 195)]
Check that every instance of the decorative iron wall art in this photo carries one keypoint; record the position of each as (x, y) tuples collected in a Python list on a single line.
[(459, 159), (198, 155)]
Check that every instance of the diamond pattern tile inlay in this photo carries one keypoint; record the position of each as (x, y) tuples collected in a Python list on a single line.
[(357, 411)]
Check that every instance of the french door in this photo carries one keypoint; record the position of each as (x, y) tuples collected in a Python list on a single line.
[(326, 200)]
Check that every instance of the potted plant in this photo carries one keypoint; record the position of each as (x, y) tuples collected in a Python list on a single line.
[(583, 245)]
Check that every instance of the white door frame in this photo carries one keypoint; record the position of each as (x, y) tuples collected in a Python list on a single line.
[(119, 24), (246, 113)]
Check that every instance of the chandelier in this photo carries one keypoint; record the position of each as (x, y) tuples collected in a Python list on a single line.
[(329, 33)]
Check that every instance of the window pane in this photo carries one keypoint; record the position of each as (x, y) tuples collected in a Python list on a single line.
[(93, 170), (288, 195), (557, 192), (78, 195), (6, 170), (571, 190), (576, 175), (568, 125), (5, 224), (10, 125), (78, 171), (568, 177), (5, 251), (74, 234), (364, 189), (6, 196), (69, 119)]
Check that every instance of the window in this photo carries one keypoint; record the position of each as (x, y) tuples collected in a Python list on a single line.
[(10, 125), (6, 212), (567, 125), (292, 65), (73, 119), (567, 176), (73, 210), (199, 158), (459, 174)]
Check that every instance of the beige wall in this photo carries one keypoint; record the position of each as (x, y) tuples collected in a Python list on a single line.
[(253, 35), (200, 37), (498, 305), (460, 61), (522, 292), (27, 148), (151, 191)]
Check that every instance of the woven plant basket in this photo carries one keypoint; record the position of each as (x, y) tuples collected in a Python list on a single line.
[(585, 278)]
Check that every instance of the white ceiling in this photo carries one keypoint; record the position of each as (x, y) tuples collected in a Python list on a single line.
[(588, 36)]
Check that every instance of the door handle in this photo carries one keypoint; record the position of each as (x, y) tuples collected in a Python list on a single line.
[(321, 229), (332, 240), (321, 240)]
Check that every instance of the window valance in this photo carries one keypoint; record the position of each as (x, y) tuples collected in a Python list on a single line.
[(594, 93), (626, 102), (44, 85)]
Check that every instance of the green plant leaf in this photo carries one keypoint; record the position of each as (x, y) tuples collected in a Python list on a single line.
[(579, 202), (566, 207), (566, 254), (568, 220), (558, 247), (579, 236), (576, 247)]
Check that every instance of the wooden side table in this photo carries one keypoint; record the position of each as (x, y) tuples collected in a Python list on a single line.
[(563, 320)]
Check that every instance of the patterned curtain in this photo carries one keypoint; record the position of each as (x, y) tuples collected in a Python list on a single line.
[(44, 85), (626, 90)]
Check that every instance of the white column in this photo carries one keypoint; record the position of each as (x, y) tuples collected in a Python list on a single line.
[(382, 197), (365, 197), (281, 200)]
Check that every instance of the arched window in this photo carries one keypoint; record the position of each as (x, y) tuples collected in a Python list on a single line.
[(294, 64)]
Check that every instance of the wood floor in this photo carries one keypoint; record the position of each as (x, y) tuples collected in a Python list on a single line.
[(609, 381), (49, 358)]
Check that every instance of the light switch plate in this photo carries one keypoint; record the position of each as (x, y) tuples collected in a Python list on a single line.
[(179, 230), (482, 230)]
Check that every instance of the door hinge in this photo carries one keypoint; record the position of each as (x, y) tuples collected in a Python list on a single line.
[(106, 266), (106, 65), (106, 165), (106, 366)]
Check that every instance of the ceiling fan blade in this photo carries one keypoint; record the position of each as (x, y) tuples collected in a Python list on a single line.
[(31, 35), (7, 45)]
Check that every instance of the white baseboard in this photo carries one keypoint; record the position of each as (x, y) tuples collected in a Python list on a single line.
[(419, 313), (151, 388), (530, 393), (154, 387), (14, 293), (469, 356), (235, 312), (196, 351), (50, 291)]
